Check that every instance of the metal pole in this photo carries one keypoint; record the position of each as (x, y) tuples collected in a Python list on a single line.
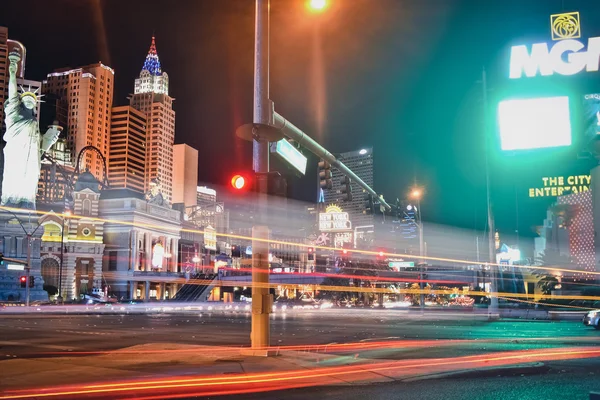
[(28, 270), (296, 134), (493, 307), (62, 254), (421, 261), (263, 114)]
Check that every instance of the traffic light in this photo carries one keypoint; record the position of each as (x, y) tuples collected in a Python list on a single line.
[(311, 253), (325, 175), (236, 251), (368, 204), (31, 281), (1, 258), (346, 190), (238, 182), (23, 280)]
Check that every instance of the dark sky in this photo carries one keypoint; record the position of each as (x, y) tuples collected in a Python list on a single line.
[(398, 75)]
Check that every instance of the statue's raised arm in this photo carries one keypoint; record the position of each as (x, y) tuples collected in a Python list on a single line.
[(13, 58)]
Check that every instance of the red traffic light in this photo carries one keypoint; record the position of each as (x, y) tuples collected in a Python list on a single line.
[(310, 249), (238, 182), (23, 279), (381, 254), (345, 251)]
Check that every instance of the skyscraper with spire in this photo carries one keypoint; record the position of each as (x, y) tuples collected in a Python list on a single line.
[(151, 96)]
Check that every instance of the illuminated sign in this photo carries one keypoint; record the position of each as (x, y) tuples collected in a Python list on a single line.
[(534, 123), (289, 153), (158, 253), (565, 57), (334, 220), (561, 185), (396, 265), (508, 256), (341, 239), (591, 115), (210, 238), (565, 26)]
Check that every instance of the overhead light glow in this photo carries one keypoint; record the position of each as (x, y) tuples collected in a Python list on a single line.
[(317, 5), (362, 152)]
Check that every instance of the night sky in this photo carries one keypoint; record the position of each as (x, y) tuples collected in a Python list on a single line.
[(401, 76)]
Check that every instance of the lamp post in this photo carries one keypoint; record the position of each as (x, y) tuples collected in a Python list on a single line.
[(66, 214), (417, 194)]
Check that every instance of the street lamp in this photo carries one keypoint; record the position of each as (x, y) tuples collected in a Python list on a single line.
[(66, 215), (317, 5), (417, 194)]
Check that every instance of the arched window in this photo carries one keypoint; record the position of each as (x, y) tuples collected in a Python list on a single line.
[(87, 207), (50, 271)]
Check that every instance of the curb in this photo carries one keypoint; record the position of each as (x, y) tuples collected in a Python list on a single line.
[(529, 368)]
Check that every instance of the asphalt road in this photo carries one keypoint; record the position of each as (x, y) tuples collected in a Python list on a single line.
[(48, 335), (561, 380), (34, 335)]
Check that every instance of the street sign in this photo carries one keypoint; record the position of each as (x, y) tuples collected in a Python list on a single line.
[(15, 267), (289, 153), (401, 264)]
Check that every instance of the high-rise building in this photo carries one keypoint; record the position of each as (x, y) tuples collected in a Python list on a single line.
[(55, 174), (151, 96), (185, 175), (3, 69), (361, 163), (127, 152), (83, 98)]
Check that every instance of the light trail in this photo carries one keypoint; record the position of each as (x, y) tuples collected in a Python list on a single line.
[(299, 245), (218, 385)]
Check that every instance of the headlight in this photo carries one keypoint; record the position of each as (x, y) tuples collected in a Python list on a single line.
[(592, 314)]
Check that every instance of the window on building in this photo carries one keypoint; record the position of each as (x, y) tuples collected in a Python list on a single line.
[(87, 207)]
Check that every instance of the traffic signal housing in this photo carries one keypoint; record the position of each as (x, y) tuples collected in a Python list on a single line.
[(1, 258), (31, 281), (325, 176), (311, 254), (369, 204), (346, 190), (23, 281)]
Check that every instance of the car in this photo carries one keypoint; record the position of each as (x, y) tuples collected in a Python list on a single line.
[(592, 319)]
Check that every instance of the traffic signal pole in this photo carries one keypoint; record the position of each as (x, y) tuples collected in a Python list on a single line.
[(269, 126), (263, 116), (28, 270)]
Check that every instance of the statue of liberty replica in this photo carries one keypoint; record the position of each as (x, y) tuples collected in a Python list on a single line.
[(24, 144)]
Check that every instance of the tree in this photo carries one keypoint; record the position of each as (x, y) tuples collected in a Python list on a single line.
[(547, 283), (550, 258)]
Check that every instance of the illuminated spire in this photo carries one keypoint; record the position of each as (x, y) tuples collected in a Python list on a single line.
[(152, 63)]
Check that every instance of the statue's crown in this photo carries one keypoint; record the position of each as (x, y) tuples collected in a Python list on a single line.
[(31, 93)]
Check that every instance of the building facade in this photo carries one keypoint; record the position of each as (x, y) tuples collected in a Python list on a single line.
[(152, 98), (185, 175), (77, 269), (127, 151), (83, 98), (142, 247)]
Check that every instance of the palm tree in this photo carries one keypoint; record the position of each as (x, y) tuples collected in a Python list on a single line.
[(547, 283), (550, 258)]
